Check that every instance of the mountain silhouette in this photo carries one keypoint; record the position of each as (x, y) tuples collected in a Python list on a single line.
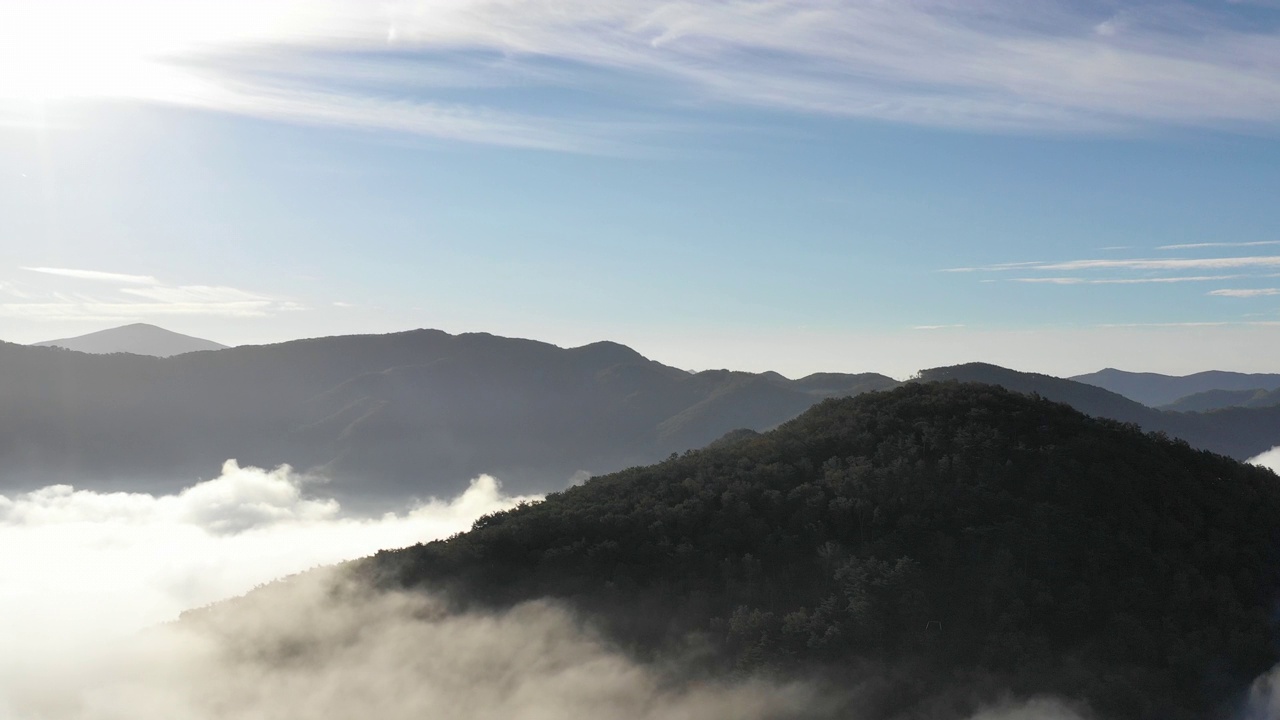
[(1238, 432), (385, 416), (1211, 400), (1156, 390), (138, 339)]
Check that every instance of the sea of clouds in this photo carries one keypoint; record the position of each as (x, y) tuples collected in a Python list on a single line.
[(83, 567)]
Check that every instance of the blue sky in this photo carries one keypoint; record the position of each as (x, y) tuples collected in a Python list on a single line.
[(797, 185)]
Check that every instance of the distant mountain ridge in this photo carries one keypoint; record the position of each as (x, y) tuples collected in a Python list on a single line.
[(1156, 390), (406, 414), (1238, 432), (1211, 400), (417, 414), (137, 338)]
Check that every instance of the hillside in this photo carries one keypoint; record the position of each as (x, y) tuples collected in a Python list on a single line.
[(1239, 432), (387, 416), (1082, 396), (1211, 400), (1155, 390), (926, 550), (138, 339)]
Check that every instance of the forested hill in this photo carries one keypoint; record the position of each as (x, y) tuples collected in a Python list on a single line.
[(938, 545), (406, 414)]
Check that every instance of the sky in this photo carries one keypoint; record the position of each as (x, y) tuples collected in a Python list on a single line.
[(796, 185)]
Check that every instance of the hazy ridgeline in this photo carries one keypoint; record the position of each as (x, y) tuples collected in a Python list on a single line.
[(393, 417), (387, 417)]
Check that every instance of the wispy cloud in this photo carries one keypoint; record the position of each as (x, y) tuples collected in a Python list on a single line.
[(1147, 271), (403, 114), (995, 65), (124, 312), (196, 294), (1195, 324), (97, 275), (1123, 281), (1215, 263), (1144, 264), (1197, 246), (141, 297), (990, 64), (998, 267), (1245, 292)]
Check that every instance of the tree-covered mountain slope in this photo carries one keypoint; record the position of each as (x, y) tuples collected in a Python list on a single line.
[(955, 542)]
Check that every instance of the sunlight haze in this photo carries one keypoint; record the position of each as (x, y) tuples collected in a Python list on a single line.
[(675, 360), (853, 182)]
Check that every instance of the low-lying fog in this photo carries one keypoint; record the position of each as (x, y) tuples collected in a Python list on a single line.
[(91, 580), (86, 569), (1269, 459)]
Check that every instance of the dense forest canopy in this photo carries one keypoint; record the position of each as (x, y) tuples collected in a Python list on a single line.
[(957, 541)]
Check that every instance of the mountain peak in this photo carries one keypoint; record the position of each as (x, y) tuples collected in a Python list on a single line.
[(609, 352), (135, 338)]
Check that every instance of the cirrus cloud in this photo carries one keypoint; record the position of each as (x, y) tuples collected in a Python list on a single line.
[(995, 65), (96, 275), (136, 297), (1245, 292)]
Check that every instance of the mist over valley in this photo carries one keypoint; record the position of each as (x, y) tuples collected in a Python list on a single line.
[(928, 551), (621, 360)]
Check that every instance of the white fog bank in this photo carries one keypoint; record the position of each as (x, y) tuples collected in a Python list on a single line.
[(1269, 459), (87, 567), (321, 646)]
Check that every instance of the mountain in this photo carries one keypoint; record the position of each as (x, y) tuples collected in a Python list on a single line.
[(1154, 389), (138, 339), (1218, 399), (413, 414), (925, 550), (1238, 432), (1082, 396), (386, 416)]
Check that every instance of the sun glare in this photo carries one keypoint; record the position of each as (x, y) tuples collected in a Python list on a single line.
[(66, 49), (53, 51)]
